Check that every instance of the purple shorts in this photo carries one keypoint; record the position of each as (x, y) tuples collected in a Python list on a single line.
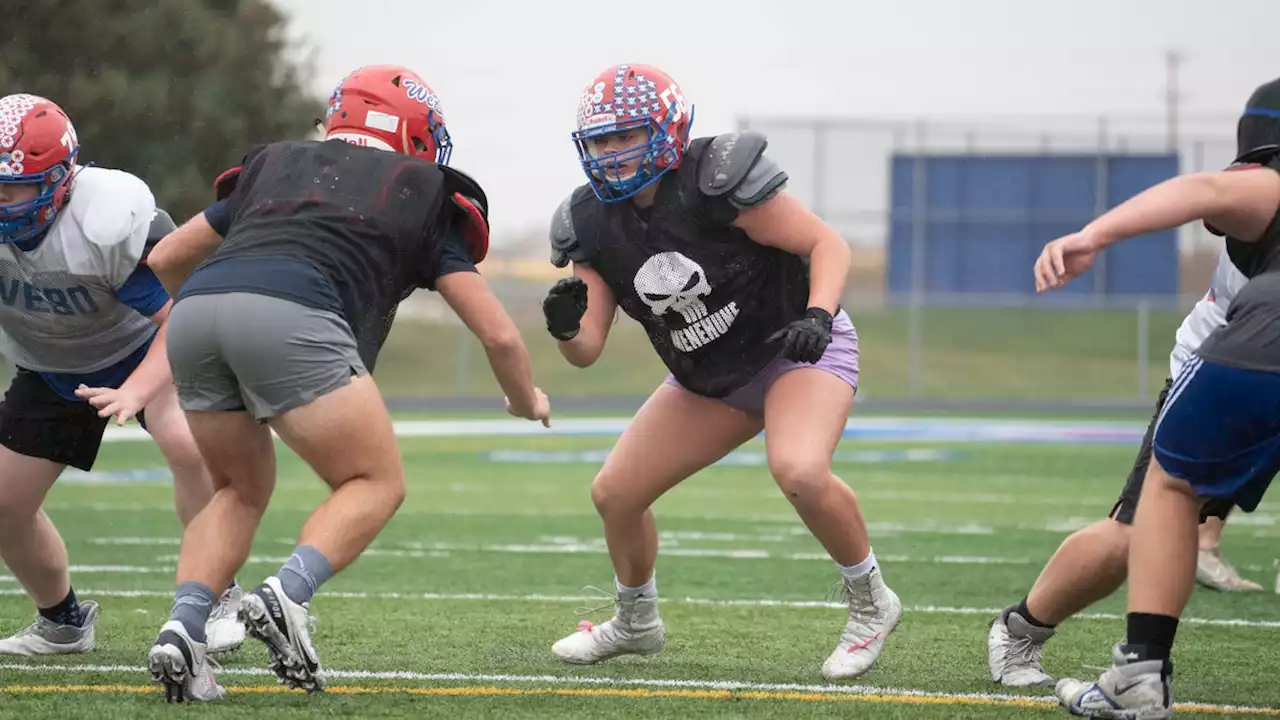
[(839, 359)]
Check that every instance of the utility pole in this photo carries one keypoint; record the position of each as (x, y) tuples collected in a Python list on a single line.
[(1172, 97)]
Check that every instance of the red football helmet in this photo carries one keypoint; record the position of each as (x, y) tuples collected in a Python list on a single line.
[(391, 108), (38, 146), (620, 99)]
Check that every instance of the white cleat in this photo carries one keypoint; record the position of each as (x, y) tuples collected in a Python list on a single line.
[(1013, 651), (874, 612), (1128, 691), (45, 637), (183, 666), (635, 629), (1214, 572), (284, 626), (224, 632)]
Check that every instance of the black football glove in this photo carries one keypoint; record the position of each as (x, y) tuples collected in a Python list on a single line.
[(564, 307), (805, 340)]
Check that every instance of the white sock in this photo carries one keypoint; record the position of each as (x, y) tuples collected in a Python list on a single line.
[(853, 572), (649, 589)]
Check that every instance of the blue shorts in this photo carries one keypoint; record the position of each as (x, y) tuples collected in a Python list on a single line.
[(1220, 431)]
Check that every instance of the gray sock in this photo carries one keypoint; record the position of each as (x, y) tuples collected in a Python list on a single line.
[(191, 606), (304, 572)]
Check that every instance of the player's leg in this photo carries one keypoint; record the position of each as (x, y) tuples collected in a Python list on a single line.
[(675, 434), (167, 425), (1091, 564), (240, 458), (805, 410), (192, 490), (1088, 566), (299, 370), (1219, 438), (345, 435), (40, 434), (1213, 570)]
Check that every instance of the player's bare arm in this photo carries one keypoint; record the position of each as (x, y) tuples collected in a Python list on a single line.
[(145, 383), (579, 309), (588, 328), (1232, 201), (175, 257), (470, 297), (785, 223)]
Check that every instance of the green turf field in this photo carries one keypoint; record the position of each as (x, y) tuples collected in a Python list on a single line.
[(486, 563), (967, 353)]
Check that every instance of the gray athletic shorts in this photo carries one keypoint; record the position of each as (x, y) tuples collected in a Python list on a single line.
[(242, 351)]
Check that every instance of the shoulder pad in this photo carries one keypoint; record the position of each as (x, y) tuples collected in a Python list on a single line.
[(161, 224), (112, 206), (113, 211), (225, 183), (467, 195), (1261, 155), (457, 181), (734, 164), (565, 244)]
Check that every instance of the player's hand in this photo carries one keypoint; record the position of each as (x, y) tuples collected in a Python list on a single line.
[(1064, 259), (564, 307), (540, 411), (806, 339), (109, 402)]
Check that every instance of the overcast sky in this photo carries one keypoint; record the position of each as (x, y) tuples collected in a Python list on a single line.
[(509, 72)]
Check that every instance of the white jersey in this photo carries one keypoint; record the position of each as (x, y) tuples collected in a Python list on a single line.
[(1209, 314), (59, 311)]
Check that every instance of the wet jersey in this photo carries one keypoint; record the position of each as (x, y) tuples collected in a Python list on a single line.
[(1209, 314), (79, 299), (335, 226), (1251, 337), (705, 293)]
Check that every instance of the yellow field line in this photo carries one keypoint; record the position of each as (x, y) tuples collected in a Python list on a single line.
[(480, 691)]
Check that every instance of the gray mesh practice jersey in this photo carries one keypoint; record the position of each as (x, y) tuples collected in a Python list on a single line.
[(59, 311)]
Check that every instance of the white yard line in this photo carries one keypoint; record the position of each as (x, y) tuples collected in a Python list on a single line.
[(586, 599)]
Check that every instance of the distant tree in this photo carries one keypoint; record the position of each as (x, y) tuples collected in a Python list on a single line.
[(173, 91)]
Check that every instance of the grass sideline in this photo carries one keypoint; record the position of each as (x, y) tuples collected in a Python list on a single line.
[(967, 353)]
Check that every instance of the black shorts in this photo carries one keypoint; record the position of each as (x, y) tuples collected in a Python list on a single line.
[(38, 422), (1128, 502)]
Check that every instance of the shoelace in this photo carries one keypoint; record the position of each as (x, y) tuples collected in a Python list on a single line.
[(222, 609), (863, 610), (609, 600), (608, 630), (1024, 649)]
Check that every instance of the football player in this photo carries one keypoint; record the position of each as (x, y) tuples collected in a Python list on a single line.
[(83, 320), (1218, 435), (1092, 563), (738, 286), (289, 287)]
